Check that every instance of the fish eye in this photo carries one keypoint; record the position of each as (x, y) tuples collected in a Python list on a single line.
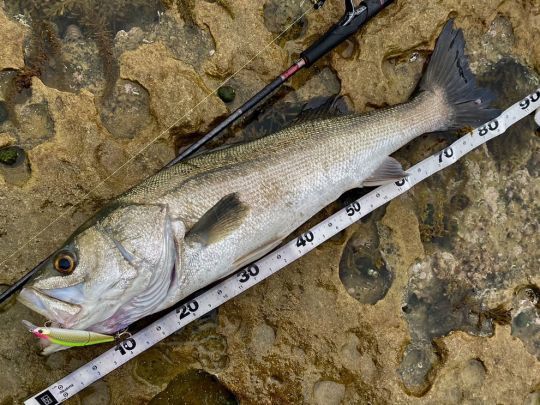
[(65, 263), (40, 330)]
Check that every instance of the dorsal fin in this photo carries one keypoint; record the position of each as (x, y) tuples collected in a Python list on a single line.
[(219, 221), (322, 107)]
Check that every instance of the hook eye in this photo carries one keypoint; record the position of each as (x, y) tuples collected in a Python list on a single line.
[(121, 336)]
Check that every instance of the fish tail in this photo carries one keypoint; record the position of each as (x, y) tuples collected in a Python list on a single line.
[(449, 78)]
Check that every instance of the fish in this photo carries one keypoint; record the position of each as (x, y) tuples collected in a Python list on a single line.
[(204, 218)]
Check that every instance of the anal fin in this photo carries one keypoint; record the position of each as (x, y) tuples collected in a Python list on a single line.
[(390, 171), (219, 221)]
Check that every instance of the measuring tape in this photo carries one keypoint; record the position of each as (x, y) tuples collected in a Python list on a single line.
[(275, 261)]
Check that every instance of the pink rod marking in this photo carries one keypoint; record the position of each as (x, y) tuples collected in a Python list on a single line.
[(293, 69)]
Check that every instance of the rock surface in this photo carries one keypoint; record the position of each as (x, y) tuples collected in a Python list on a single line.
[(12, 56), (431, 299)]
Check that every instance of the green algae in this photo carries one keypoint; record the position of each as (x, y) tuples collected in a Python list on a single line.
[(9, 155), (226, 93)]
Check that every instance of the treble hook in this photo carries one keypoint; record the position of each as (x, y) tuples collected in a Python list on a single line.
[(122, 335)]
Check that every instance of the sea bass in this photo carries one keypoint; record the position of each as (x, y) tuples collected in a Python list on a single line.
[(202, 219)]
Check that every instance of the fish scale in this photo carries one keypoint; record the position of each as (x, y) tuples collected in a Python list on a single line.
[(306, 166)]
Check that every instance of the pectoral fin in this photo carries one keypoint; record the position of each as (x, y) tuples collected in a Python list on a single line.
[(219, 221), (388, 172)]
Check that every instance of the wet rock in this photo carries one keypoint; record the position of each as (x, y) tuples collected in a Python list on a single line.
[(201, 344), (212, 353), (278, 16), (97, 394), (362, 269), (301, 321), (14, 166), (350, 354), (403, 71), (417, 369), (460, 201), (264, 337), (473, 374), (510, 81), (83, 65), (328, 393), (323, 82), (36, 124), (399, 236), (174, 88), (532, 399), (195, 387), (526, 318), (4, 115), (126, 112), (154, 367), (359, 362), (11, 48), (239, 26), (189, 43)]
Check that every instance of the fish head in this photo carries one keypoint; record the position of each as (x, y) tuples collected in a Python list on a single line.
[(108, 275)]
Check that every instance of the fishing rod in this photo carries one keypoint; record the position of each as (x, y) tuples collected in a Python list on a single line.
[(354, 18)]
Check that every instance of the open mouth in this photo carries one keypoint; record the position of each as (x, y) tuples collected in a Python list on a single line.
[(49, 304)]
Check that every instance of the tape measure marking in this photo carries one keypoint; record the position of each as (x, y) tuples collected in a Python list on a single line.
[(273, 262)]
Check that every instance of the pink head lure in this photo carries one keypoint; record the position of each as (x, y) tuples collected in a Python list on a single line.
[(68, 337)]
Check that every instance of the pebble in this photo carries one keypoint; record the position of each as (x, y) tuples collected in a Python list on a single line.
[(328, 393), (473, 374), (226, 93)]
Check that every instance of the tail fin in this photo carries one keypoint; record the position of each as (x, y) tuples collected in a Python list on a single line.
[(449, 75)]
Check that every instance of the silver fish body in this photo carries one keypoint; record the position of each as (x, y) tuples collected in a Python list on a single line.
[(198, 221), (283, 179)]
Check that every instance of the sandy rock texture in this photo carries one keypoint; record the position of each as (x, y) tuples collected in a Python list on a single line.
[(12, 47), (433, 299)]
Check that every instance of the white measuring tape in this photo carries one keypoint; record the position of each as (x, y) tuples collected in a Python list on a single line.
[(271, 263)]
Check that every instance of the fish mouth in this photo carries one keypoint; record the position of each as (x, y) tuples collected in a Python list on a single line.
[(49, 304)]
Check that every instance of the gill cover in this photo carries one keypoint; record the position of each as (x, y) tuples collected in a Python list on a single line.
[(145, 238)]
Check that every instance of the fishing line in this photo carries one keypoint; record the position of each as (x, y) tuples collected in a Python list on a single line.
[(146, 146), (249, 276)]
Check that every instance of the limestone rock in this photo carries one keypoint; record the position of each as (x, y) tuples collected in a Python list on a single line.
[(11, 46), (175, 88)]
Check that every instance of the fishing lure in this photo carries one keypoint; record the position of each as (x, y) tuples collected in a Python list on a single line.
[(68, 337)]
